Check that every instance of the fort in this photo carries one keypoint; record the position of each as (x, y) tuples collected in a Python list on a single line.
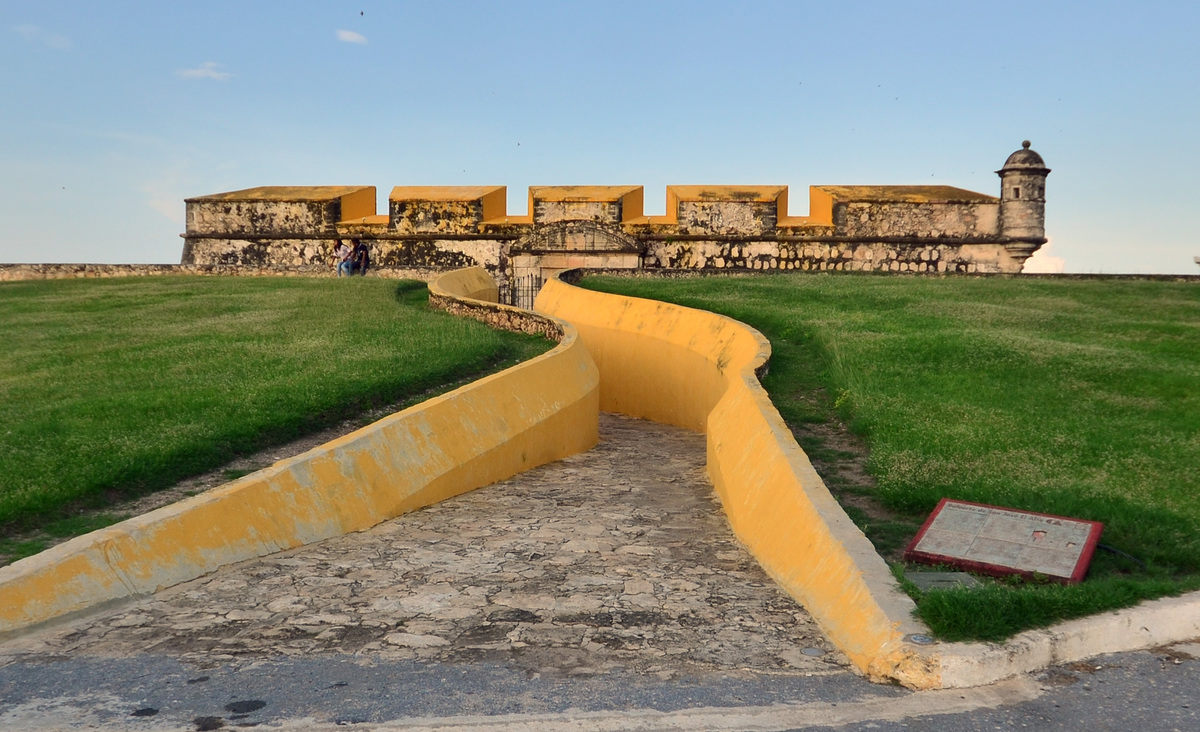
[(930, 228), (653, 361)]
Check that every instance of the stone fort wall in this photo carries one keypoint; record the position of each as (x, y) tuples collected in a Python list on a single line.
[(887, 228), (937, 229), (292, 230)]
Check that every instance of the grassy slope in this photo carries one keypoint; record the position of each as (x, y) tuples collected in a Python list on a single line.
[(116, 387), (1069, 397)]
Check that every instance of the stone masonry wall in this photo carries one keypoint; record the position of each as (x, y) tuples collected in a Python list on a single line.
[(826, 256), (928, 220), (26, 272), (435, 217), (389, 253), (504, 317), (255, 252), (735, 218), (850, 228), (547, 212), (249, 217)]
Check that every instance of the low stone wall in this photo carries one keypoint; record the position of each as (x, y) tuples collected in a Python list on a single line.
[(696, 370), (533, 413), (23, 272), (388, 251), (472, 293)]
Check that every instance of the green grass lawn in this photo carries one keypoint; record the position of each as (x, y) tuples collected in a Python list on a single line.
[(112, 388), (1071, 397)]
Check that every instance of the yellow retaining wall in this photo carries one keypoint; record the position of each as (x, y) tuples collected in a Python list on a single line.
[(696, 370), (472, 283), (534, 413)]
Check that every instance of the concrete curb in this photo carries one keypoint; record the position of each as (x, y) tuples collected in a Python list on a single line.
[(1154, 623), (697, 370), (471, 437)]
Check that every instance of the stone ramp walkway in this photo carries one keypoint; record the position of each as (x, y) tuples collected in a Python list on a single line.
[(601, 592), (618, 560)]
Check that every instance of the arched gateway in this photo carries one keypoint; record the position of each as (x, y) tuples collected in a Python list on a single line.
[(563, 245)]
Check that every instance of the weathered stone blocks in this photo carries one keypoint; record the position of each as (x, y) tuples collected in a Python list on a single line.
[(849, 228)]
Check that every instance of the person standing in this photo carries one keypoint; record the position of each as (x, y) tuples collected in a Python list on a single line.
[(342, 259)]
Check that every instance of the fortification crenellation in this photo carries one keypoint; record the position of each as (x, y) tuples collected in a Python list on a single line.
[(603, 204), (297, 210), (856, 228), (443, 209)]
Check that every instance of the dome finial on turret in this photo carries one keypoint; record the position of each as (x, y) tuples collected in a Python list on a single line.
[(1025, 159)]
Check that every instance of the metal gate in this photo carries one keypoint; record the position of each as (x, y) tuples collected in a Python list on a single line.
[(521, 291)]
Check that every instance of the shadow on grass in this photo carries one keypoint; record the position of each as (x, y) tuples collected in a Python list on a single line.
[(55, 531), (412, 293)]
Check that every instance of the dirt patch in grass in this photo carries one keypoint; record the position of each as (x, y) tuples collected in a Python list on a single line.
[(840, 457)]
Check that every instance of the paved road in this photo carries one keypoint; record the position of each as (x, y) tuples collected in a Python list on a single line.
[(602, 592)]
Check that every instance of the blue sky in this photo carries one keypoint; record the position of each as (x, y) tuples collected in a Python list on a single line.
[(115, 112)]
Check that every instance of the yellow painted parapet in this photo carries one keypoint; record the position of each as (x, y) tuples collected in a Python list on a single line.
[(533, 413), (696, 370), (298, 211), (444, 209), (472, 283)]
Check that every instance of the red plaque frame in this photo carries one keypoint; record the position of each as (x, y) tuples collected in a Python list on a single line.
[(1004, 541)]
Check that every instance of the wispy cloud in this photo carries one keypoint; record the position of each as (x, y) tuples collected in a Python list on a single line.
[(34, 34), (206, 70), (1043, 262), (349, 36), (165, 197)]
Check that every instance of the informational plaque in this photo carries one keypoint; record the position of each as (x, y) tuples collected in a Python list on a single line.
[(1003, 541)]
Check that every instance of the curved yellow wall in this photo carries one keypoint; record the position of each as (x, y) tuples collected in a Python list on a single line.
[(536, 412), (471, 283), (696, 369)]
